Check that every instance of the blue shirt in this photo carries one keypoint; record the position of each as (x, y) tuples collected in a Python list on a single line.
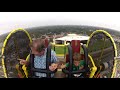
[(40, 62)]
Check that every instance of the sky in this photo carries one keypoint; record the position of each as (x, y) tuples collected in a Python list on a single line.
[(13, 20)]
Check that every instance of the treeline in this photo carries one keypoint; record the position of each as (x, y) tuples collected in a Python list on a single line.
[(79, 29)]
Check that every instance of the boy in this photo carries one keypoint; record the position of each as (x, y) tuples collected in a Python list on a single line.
[(78, 64)]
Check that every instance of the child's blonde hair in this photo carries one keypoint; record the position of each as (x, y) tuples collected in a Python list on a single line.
[(76, 56)]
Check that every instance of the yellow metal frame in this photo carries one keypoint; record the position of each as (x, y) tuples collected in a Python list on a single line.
[(25, 68), (114, 45), (114, 68), (116, 62), (59, 45), (93, 69), (4, 45)]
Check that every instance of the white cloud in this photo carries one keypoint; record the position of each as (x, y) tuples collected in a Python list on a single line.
[(14, 20)]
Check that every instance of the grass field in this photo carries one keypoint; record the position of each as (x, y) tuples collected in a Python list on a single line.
[(60, 50), (95, 46)]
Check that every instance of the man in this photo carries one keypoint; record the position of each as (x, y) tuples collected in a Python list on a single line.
[(39, 50)]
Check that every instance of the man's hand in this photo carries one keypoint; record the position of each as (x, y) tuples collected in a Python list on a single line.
[(23, 62), (53, 66)]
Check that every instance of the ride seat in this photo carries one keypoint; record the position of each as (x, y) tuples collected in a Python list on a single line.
[(46, 42)]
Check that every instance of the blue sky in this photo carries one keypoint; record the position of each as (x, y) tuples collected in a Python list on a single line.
[(14, 20)]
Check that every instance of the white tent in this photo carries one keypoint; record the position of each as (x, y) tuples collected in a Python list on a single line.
[(71, 37)]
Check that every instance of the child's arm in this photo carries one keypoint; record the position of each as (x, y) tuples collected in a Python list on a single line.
[(81, 67), (63, 66), (82, 63)]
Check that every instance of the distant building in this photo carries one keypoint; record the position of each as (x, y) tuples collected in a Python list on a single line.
[(69, 37)]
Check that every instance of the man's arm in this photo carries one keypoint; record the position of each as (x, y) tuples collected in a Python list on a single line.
[(23, 62), (54, 60), (54, 57)]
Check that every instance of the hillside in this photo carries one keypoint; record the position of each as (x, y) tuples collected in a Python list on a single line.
[(80, 29), (38, 31)]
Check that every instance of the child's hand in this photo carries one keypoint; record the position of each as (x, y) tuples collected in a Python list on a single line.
[(81, 67), (63, 66)]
